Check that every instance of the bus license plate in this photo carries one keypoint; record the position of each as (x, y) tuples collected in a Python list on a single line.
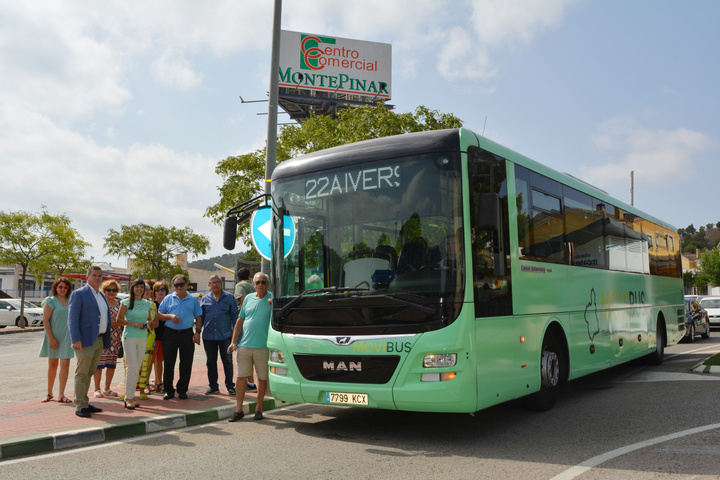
[(347, 398)]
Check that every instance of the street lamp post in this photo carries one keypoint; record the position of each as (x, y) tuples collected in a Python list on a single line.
[(271, 149)]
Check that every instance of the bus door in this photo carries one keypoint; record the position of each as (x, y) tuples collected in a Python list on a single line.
[(489, 243)]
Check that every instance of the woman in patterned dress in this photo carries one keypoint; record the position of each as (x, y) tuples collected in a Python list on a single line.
[(56, 344), (108, 359)]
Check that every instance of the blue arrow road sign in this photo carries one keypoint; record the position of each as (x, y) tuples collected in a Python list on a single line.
[(261, 228)]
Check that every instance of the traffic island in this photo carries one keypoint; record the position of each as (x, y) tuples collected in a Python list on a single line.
[(709, 365)]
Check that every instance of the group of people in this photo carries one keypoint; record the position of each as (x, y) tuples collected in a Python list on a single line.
[(154, 328)]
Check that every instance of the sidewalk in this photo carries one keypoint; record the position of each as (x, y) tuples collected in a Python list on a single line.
[(34, 427)]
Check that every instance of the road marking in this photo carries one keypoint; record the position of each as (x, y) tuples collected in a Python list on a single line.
[(701, 349), (577, 470)]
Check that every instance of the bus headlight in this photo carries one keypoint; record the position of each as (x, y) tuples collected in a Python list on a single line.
[(440, 360), (276, 356)]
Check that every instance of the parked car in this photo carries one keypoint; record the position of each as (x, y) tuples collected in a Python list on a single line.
[(10, 313), (712, 306), (696, 320)]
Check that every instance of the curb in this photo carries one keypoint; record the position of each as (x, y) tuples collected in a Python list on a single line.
[(5, 331), (50, 442)]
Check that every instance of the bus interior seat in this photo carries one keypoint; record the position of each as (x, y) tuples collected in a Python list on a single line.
[(360, 271)]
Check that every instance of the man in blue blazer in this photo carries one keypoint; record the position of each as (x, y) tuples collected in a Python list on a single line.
[(89, 323)]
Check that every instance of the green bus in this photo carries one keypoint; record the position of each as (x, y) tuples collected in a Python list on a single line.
[(441, 272)]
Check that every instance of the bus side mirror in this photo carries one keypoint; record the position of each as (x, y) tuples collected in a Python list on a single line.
[(488, 211), (230, 232)]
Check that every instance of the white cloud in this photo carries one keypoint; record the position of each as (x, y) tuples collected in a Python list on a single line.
[(68, 70), (101, 187), (71, 59), (51, 66), (467, 52), (656, 156), (461, 59), (513, 22), (175, 72)]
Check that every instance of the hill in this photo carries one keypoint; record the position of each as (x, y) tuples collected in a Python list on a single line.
[(228, 260), (704, 238)]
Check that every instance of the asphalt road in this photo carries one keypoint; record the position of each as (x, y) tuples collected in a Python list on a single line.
[(632, 421)]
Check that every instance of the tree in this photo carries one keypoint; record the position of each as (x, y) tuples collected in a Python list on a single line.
[(37, 242), (151, 249), (710, 269), (72, 261), (251, 255), (243, 176), (698, 241)]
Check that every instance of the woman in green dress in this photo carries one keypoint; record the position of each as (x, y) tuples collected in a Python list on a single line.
[(136, 317), (56, 344)]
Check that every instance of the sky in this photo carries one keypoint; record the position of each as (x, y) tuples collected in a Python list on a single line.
[(117, 112)]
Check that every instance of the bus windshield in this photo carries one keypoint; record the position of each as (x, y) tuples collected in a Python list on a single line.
[(381, 240)]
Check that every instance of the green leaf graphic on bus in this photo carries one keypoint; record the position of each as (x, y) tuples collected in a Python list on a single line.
[(592, 305)]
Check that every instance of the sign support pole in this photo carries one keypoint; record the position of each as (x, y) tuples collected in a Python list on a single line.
[(271, 148)]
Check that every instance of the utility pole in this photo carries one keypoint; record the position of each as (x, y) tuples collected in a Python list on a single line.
[(271, 149), (632, 188)]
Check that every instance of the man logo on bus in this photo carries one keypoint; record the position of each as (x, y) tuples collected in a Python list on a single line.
[(593, 313), (310, 53)]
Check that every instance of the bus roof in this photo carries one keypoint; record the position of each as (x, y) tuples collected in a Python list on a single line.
[(371, 150)]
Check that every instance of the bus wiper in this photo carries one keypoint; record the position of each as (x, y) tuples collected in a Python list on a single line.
[(423, 308), (295, 300)]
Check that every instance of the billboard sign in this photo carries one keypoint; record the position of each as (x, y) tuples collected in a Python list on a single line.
[(333, 64)]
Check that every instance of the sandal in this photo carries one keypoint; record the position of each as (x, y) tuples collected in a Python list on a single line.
[(109, 393), (129, 404), (159, 388), (64, 399), (99, 394), (47, 398)]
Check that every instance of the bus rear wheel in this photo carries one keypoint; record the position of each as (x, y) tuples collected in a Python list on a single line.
[(656, 358), (551, 365)]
